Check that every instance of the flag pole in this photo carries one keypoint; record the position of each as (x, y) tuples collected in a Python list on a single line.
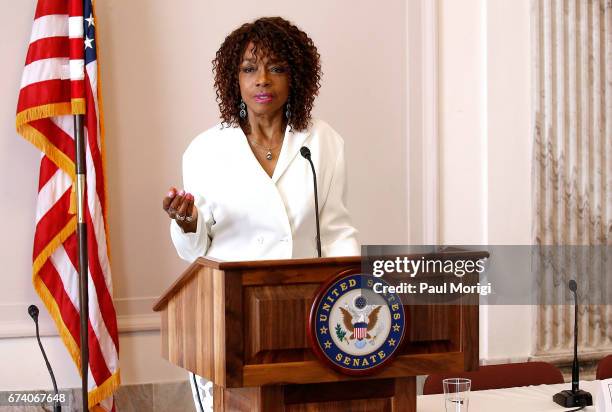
[(82, 253)]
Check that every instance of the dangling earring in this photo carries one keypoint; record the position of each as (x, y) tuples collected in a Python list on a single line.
[(242, 108), (288, 111)]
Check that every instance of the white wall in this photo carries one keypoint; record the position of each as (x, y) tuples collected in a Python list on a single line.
[(486, 145), (155, 59), (157, 85)]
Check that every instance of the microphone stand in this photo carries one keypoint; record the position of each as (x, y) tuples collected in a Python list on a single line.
[(576, 396), (305, 152), (33, 311)]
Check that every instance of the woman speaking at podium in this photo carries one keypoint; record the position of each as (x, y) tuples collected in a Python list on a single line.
[(248, 192)]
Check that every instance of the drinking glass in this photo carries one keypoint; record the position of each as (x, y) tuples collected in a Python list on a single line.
[(456, 394)]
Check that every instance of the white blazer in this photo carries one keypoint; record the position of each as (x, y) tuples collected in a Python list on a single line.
[(243, 214)]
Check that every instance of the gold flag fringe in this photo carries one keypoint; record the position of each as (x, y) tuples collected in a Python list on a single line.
[(54, 311), (101, 392), (43, 144), (40, 141)]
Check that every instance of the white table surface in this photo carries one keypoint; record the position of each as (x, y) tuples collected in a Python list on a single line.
[(524, 399)]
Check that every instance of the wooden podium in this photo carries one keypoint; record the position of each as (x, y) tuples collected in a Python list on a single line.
[(243, 325)]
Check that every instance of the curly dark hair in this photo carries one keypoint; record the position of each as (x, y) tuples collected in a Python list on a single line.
[(282, 39)]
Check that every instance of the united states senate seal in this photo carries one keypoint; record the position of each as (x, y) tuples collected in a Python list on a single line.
[(353, 329)]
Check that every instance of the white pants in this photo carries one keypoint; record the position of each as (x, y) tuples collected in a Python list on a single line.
[(203, 388)]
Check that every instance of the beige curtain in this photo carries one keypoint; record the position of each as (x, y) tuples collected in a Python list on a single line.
[(572, 162)]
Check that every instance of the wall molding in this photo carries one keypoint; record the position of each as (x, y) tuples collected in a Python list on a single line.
[(133, 315), (431, 141), (126, 324), (423, 148)]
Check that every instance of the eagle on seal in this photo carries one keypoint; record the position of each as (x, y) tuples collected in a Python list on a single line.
[(347, 318)]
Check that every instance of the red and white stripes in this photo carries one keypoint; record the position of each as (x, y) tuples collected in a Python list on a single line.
[(55, 85)]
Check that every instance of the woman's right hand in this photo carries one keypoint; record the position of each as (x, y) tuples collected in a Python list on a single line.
[(179, 206)]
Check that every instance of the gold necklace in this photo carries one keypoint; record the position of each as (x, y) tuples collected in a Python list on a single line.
[(267, 149)]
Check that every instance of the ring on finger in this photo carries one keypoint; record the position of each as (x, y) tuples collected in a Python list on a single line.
[(180, 217), (188, 219)]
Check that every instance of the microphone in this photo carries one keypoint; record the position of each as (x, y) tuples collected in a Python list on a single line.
[(33, 312), (573, 287), (576, 396), (305, 152)]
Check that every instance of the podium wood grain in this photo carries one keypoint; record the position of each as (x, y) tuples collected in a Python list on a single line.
[(243, 325), (392, 395)]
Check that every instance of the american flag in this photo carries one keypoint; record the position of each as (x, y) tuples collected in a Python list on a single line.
[(60, 79)]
